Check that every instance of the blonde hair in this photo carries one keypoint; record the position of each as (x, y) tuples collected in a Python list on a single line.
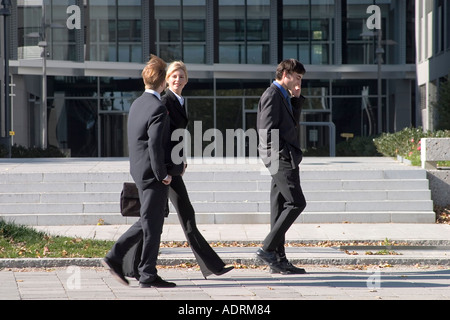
[(174, 66), (154, 73)]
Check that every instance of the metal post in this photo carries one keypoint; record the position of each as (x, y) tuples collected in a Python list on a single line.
[(379, 53), (43, 111)]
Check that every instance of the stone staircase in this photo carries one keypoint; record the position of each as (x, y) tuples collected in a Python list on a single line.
[(86, 191)]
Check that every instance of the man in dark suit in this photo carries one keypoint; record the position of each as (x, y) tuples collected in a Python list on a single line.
[(152, 170), (279, 148), (208, 260)]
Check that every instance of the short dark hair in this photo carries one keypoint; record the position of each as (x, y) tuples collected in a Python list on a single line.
[(289, 65)]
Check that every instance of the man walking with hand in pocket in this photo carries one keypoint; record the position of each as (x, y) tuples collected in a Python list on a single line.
[(279, 148)]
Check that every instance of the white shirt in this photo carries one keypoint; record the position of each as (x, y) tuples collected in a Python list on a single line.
[(156, 94), (180, 99)]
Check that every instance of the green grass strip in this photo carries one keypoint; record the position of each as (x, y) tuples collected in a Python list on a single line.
[(17, 241)]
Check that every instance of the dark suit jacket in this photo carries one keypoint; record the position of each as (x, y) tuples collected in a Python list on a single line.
[(177, 113), (178, 116), (149, 141), (274, 112)]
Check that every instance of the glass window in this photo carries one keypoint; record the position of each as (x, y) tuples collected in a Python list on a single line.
[(72, 115), (318, 94), (347, 112), (447, 19), (169, 52), (199, 87), (229, 114), (244, 31), (194, 30), (308, 31), (231, 30), (169, 30), (355, 102), (117, 94), (295, 30), (194, 53), (201, 118), (320, 54), (181, 30), (361, 43), (72, 125), (229, 117), (320, 30), (115, 31), (258, 30), (60, 39), (114, 135), (241, 87)]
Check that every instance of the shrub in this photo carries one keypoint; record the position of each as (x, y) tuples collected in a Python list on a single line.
[(406, 143), (32, 152), (357, 147)]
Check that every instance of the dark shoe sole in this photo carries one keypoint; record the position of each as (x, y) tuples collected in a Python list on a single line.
[(224, 270), (157, 283), (219, 273), (118, 277), (273, 271), (150, 285)]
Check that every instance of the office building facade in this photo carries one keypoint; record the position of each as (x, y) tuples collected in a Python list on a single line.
[(96, 49), (433, 56)]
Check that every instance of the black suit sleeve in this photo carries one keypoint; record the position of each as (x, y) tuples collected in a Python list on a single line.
[(268, 127), (156, 132)]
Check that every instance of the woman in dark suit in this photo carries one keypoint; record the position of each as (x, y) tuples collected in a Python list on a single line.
[(208, 260)]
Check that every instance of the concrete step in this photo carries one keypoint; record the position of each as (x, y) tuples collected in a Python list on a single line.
[(337, 190), (224, 218), (215, 196), (201, 176), (201, 207)]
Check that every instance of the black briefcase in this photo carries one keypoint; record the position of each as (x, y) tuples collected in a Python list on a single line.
[(129, 200), (130, 205)]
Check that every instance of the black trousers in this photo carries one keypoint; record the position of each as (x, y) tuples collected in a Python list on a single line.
[(286, 203), (148, 227), (207, 258)]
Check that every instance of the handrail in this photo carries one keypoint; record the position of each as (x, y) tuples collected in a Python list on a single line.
[(332, 130)]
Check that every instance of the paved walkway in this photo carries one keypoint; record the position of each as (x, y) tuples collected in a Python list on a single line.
[(415, 272), (322, 283)]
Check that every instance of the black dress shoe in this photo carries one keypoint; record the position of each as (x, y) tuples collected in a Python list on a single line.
[(116, 270), (270, 258), (287, 268), (157, 283)]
